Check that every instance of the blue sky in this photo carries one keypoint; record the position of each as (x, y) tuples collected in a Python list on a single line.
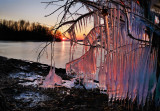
[(31, 10)]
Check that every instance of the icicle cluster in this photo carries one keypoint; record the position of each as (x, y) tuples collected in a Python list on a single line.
[(127, 66), (85, 65)]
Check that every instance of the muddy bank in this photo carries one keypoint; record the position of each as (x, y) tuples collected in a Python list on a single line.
[(8, 66), (17, 97)]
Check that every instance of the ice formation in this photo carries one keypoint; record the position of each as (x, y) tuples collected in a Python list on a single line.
[(52, 79), (128, 62)]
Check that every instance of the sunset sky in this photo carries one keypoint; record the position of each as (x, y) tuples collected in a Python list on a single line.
[(29, 10)]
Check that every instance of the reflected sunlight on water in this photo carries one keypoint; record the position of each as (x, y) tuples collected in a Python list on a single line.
[(29, 51)]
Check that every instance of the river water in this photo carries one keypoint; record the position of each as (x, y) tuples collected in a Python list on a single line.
[(30, 50)]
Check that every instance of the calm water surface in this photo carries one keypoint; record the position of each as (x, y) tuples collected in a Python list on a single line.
[(30, 50)]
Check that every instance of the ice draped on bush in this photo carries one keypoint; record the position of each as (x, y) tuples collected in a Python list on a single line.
[(118, 52)]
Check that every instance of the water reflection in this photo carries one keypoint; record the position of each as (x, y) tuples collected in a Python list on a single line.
[(63, 45), (30, 50)]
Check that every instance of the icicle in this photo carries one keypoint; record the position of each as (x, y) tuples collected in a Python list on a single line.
[(107, 33), (85, 42)]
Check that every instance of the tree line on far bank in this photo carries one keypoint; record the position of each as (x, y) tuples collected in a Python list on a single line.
[(25, 31)]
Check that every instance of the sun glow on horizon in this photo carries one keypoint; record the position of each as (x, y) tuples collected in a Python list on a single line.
[(63, 38)]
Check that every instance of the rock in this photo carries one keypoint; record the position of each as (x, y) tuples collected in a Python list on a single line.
[(41, 104)]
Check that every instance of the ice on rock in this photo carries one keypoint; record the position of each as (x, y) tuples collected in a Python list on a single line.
[(52, 79), (68, 83)]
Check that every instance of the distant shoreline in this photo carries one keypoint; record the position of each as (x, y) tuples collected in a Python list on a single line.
[(25, 31)]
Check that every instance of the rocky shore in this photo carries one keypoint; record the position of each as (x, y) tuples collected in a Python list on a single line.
[(17, 97)]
